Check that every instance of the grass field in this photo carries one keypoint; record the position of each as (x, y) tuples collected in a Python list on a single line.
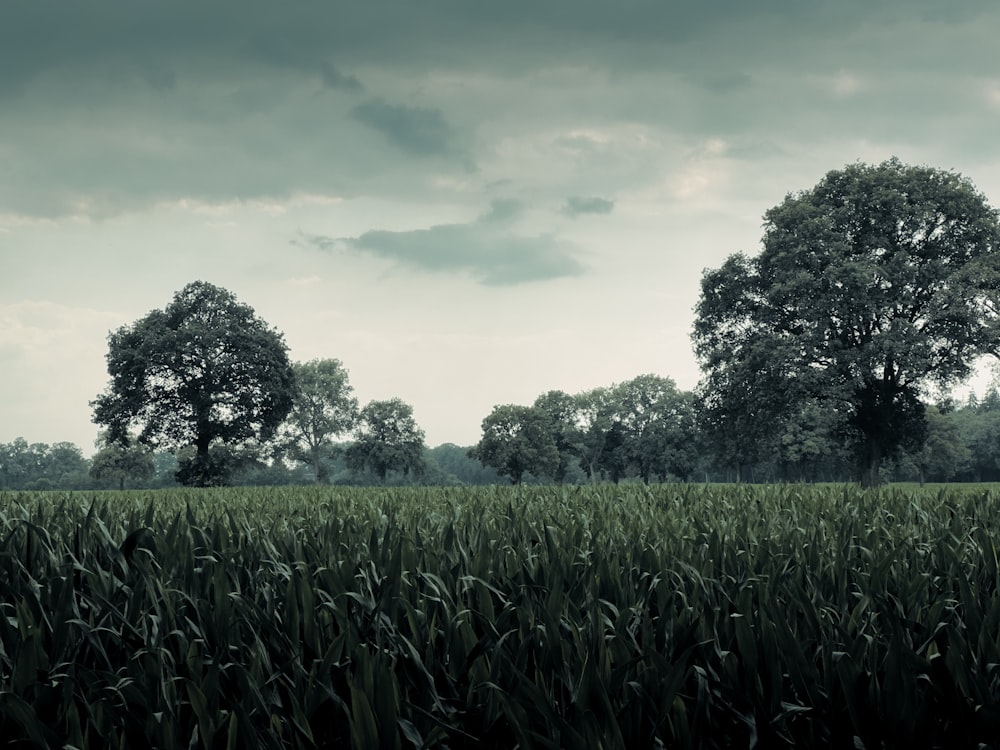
[(613, 617)]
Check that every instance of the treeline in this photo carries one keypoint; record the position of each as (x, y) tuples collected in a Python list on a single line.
[(961, 444), (647, 430), (62, 466), (642, 430)]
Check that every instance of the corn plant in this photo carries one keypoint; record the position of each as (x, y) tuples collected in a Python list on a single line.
[(599, 617)]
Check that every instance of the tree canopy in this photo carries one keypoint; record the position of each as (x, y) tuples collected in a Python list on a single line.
[(873, 285), (115, 463), (388, 439), (204, 369), (323, 408), (517, 440)]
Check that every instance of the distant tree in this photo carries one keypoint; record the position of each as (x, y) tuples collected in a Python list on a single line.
[(561, 411), (14, 469), (388, 439), (979, 430), (204, 369), (39, 466), (809, 444), (456, 462), (165, 468), (517, 440), (116, 463), (596, 443), (657, 427), (943, 454), (877, 282), (322, 410)]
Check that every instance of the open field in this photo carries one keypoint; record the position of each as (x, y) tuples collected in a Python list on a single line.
[(616, 617)]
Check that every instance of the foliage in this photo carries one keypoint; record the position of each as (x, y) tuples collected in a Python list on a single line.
[(872, 285), (978, 426), (455, 462), (388, 439), (656, 424), (323, 409), (943, 455), (39, 466), (204, 369), (517, 440), (594, 436), (116, 463), (619, 617), (561, 410), (644, 428)]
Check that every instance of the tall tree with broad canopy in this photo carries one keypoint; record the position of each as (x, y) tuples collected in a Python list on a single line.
[(388, 439), (204, 369), (875, 284), (323, 408)]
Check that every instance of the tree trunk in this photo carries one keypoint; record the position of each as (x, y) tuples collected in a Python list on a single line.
[(314, 451), (872, 460), (201, 459)]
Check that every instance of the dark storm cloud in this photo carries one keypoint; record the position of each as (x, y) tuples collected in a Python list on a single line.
[(419, 130), (577, 205), (485, 249), (112, 105), (50, 34), (334, 79)]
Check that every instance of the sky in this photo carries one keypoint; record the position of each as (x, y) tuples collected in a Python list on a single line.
[(467, 203)]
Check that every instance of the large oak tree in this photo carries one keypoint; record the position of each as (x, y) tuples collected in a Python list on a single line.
[(875, 284), (206, 368)]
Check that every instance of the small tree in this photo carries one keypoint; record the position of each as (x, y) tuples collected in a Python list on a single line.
[(116, 463), (203, 369), (388, 439), (322, 409)]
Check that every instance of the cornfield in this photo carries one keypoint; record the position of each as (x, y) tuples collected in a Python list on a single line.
[(597, 617)]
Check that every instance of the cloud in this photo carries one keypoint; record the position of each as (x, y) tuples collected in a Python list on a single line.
[(502, 209), (419, 130), (218, 101), (485, 249), (577, 205), (334, 79)]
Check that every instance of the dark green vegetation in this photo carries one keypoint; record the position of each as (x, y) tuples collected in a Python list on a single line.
[(616, 617), (820, 356), (643, 428), (872, 286), (203, 370), (323, 408)]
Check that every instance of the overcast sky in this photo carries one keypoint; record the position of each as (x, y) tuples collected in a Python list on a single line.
[(467, 203)]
